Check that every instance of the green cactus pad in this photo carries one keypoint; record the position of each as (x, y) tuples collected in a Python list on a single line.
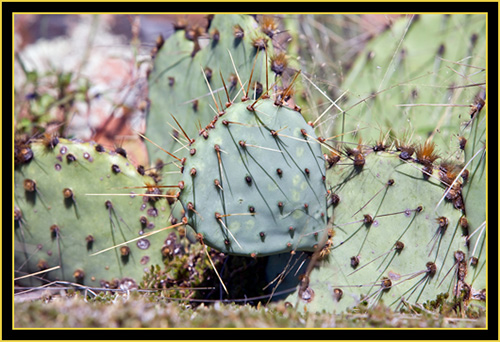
[(58, 224), (177, 85), (263, 172), (418, 76), (365, 260), (475, 198)]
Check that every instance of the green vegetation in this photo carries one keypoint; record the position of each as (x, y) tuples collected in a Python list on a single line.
[(307, 194)]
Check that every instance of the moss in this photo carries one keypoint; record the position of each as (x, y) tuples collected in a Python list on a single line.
[(138, 310)]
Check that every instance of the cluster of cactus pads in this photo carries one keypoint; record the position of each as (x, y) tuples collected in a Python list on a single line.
[(344, 220)]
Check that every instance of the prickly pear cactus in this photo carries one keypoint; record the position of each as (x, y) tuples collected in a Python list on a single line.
[(59, 226), (392, 238), (401, 220), (219, 55), (418, 75), (474, 193), (254, 183)]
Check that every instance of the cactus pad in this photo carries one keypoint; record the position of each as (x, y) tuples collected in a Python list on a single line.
[(58, 224), (391, 241), (177, 86), (255, 184), (475, 196)]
